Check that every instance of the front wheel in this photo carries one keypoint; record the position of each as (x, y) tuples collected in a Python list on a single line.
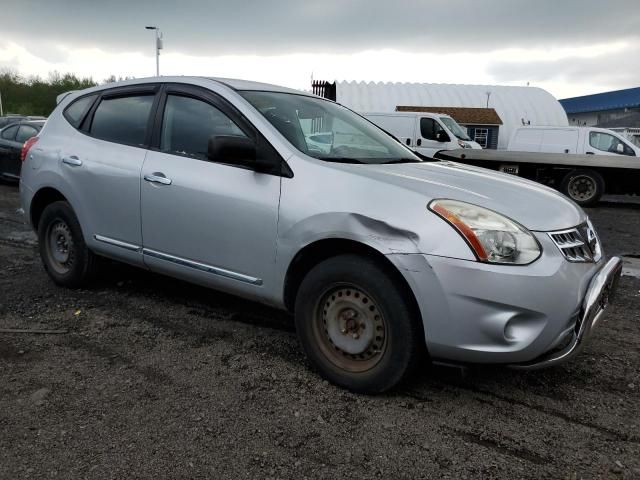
[(583, 186), (358, 328), (65, 256)]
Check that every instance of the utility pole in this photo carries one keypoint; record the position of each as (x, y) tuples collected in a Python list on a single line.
[(1, 112), (158, 46)]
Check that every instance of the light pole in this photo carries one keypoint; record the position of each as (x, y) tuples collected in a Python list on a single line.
[(158, 47), (1, 112)]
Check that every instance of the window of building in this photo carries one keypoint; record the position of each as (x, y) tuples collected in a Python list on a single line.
[(481, 136)]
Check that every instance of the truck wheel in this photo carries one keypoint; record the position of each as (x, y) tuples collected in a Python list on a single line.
[(356, 326), (585, 187), (64, 254)]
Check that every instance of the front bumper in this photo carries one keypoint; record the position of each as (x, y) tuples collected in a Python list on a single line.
[(597, 298)]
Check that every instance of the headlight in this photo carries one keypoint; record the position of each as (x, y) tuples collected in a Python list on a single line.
[(463, 144), (493, 237)]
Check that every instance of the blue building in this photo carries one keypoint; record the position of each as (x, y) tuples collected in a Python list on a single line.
[(618, 110)]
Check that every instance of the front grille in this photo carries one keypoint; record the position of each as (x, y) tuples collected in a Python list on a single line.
[(579, 244)]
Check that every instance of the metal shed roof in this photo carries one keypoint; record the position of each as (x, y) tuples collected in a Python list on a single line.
[(513, 104), (628, 98)]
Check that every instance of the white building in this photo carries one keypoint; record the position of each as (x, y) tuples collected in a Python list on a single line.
[(516, 106)]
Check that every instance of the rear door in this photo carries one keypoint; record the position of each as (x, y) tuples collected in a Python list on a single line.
[(208, 222), (104, 164)]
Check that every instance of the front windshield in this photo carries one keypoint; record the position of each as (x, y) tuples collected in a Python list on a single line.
[(326, 130), (456, 129)]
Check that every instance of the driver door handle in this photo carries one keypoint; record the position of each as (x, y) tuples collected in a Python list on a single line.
[(157, 177), (590, 153)]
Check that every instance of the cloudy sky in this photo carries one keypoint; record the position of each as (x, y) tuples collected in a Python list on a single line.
[(568, 47)]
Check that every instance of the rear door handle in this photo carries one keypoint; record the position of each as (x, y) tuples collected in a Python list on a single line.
[(157, 177), (590, 153), (72, 160)]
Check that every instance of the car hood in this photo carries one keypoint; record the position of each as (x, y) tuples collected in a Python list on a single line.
[(534, 206)]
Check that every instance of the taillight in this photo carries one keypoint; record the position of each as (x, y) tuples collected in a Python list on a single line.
[(25, 148)]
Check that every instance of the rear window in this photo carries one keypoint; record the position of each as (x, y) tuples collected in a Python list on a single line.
[(122, 119), (75, 112), (25, 133)]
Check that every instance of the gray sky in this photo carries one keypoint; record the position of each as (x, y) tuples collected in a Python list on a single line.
[(565, 46)]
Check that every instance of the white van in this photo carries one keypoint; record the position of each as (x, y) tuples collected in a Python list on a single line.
[(580, 140), (425, 133)]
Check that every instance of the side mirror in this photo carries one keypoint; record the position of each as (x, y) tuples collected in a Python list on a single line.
[(441, 136), (232, 149)]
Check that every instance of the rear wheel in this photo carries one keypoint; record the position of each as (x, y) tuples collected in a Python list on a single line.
[(357, 327), (583, 186), (65, 256)]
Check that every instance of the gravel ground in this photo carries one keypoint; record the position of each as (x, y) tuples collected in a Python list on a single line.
[(159, 378)]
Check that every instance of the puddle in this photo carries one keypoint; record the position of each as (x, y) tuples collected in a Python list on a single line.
[(631, 266)]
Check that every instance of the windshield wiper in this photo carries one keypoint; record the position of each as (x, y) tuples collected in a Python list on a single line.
[(402, 160), (340, 159)]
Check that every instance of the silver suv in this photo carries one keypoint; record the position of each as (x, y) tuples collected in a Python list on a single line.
[(384, 258)]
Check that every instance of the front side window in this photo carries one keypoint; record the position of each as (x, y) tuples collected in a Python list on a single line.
[(75, 112), (25, 133), (326, 130), (122, 119), (608, 143), (188, 124), (428, 128)]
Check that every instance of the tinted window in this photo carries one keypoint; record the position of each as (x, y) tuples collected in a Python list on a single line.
[(25, 133), (76, 111), (9, 133), (122, 119), (188, 123), (428, 128)]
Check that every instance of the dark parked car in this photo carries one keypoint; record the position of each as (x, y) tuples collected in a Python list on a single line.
[(12, 138)]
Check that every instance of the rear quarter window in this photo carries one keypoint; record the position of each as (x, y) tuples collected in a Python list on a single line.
[(75, 112)]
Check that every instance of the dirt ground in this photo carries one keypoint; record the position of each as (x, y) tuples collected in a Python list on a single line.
[(156, 378)]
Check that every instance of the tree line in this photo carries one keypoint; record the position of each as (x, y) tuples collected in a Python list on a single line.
[(37, 96)]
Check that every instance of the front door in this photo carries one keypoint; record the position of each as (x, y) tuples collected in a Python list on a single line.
[(426, 142), (208, 222)]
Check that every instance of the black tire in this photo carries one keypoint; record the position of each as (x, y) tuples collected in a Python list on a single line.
[(64, 254), (346, 290), (583, 186)]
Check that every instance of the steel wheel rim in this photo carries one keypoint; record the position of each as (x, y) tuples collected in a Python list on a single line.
[(582, 187), (60, 247), (350, 328)]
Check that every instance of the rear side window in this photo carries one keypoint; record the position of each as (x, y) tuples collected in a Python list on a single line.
[(122, 119), (428, 128), (75, 112), (188, 123), (9, 133), (25, 133)]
